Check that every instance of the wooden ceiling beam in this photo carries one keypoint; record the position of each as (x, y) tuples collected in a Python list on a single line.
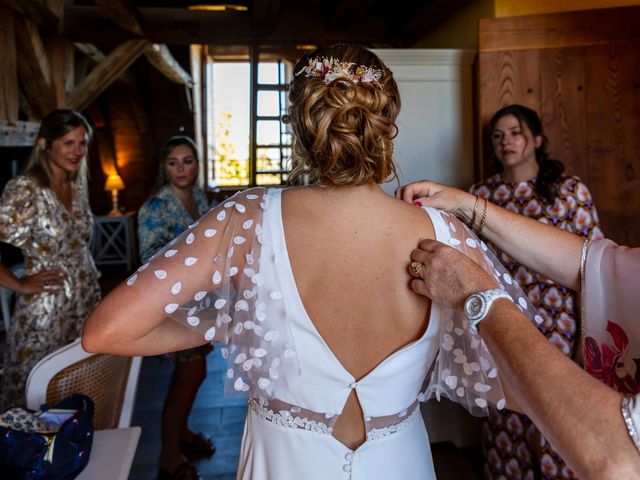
[(96, 56), (34, 71), (91, 51), (426, 19), (174, 26), (123, 13), (9, 94), (34, 10), (105, 73), (264, 12), (347, 8), (62, 61), (160, 57)]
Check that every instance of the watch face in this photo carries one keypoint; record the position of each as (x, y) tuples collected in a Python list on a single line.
[(474, 306)]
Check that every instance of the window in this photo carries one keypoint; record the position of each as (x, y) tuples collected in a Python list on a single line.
[(247, 143)]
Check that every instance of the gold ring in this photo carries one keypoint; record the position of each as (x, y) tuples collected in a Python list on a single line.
[(416, 268)]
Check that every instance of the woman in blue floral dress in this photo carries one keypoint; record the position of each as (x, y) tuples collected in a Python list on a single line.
[(176, 204), (531, 184)]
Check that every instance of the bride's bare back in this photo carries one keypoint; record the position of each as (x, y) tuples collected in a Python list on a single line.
[(349, 249)]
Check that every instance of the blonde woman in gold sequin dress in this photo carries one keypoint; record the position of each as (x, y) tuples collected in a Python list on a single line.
[(45, 213)]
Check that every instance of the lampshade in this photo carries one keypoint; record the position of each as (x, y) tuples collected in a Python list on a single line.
[(114, 182)]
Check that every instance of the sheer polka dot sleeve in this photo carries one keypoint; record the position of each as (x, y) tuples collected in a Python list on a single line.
[(464, 370), (209, 280)]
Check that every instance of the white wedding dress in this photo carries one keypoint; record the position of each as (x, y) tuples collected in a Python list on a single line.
[(229, 277)]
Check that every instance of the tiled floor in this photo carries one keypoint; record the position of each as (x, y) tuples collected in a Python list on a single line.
[(217, 415)]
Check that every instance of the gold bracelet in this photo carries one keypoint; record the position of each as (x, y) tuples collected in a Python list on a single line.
[(475, 210), (484, 217)]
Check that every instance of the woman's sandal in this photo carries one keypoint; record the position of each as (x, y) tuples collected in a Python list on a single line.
[(184, 471), (201, 446)]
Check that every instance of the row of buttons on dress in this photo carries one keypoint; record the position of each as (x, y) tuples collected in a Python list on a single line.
[(347, 467)]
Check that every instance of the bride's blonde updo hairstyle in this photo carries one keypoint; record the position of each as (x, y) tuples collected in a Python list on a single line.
[(344, 103)]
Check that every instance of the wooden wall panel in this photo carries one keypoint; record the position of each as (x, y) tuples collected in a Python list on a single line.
[(613, 110), (505, 78), (9, 71), (33, 67), (61, 57), (563, 107), (131, 146), (589, 99), (555, 30)]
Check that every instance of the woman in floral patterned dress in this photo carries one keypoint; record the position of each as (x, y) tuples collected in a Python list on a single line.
[(531, 184), (175, 205), (45, 212)]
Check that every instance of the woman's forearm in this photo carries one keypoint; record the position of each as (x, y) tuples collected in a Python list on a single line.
[(8, 279), (548, 250), (124, 324), (579, 415)]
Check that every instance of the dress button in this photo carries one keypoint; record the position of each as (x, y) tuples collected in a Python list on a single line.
[(349, 457), (353, 385), (347, 467)]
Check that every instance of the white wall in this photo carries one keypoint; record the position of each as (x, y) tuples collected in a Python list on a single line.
[(435, 141), (435, 138)]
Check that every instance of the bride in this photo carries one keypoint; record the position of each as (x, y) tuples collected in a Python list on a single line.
[(308, 288)]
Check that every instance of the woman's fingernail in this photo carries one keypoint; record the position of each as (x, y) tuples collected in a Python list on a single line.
[(418, 204)]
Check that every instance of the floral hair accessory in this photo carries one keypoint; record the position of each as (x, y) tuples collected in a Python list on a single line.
[(329, 69)]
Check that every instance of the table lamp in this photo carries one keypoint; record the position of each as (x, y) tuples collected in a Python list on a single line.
[(114, 183)]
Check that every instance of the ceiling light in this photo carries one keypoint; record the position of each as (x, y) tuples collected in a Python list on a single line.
[(218, 7)]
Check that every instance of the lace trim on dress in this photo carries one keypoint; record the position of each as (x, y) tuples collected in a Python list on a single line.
[(376, 433), (287, 418), (291, 416)]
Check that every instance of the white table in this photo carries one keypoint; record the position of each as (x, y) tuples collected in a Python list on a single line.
[(112, 454), (114, 241)]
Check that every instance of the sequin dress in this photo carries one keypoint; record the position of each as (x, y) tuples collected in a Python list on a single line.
[(50, 237), (513, 446)]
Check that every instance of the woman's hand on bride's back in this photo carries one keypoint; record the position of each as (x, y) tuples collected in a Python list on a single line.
[(447, 276)]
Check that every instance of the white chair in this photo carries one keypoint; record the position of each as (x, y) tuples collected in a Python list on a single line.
[(111, 382)]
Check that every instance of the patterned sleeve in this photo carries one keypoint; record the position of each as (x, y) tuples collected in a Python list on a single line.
[(464, 370), (577, 197), (209, 280), (153, 228), (18, 211)]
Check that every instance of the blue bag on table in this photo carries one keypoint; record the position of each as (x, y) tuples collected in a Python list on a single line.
[(52, 444)]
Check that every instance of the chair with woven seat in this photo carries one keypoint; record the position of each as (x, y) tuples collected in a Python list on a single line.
[(111, 382)]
